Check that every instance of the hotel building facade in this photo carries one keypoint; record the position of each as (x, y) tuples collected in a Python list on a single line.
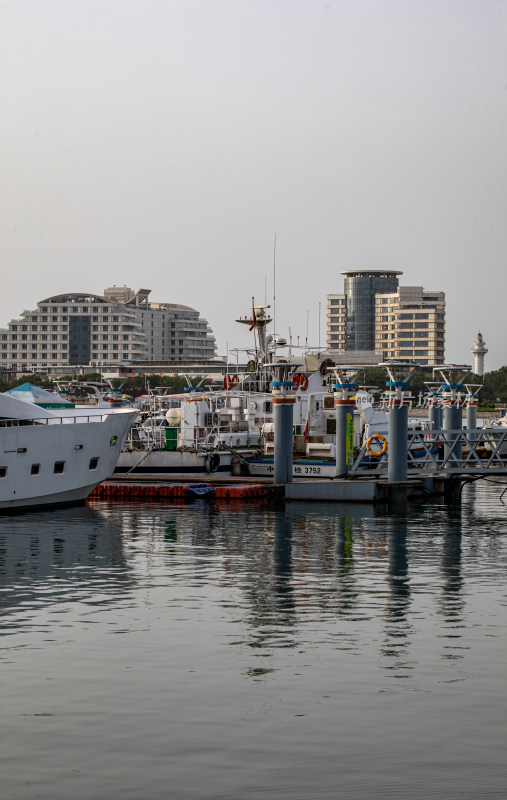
[(120, 327), (378, 315)]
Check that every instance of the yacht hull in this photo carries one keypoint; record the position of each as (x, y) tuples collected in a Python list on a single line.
[(58, 461)]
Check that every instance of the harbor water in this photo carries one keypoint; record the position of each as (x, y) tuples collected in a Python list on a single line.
[(233, 651)]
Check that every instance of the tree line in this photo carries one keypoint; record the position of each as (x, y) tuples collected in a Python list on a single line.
[(494, 384)]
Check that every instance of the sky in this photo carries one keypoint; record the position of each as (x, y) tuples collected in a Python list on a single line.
[(166, 145)]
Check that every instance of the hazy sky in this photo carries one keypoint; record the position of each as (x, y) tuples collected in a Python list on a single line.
[(163, 144)]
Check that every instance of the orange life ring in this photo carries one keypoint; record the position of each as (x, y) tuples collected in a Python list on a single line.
[(303, 382), (376, 437)]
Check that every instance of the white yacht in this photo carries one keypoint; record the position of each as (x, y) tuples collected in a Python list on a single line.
[(56, 456)]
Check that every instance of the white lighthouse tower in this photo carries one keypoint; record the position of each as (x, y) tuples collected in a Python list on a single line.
[(479, 350)]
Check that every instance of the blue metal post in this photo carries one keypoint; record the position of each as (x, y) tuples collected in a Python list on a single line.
[(397, 468), (471, 416), (283, 406), (435, 413), (453, 421)]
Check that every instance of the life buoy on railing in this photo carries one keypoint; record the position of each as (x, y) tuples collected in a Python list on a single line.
[(300, 381), (381, 440), (229, 381)]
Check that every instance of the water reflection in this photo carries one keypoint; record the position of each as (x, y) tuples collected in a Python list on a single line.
[(396, 647), (452, 602), (398, 580), (286, 570), (345, 562), (258, 651), (47, 557), (282, 565)]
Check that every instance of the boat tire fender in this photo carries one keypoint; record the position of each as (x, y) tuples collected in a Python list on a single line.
[(212, 462)]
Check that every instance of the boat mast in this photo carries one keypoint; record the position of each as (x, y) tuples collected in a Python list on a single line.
[(257, 321)]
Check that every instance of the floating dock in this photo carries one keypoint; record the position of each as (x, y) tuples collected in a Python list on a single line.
[(159, 489), (221, 488)]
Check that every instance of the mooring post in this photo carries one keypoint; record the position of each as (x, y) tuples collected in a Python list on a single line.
[(435, 417), (283, 412), (435, 411), (344, 406), (397, 467), (453, 423), (452, 377), (471, 404), (398, 401)]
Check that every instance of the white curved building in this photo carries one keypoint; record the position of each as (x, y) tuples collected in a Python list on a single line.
[(120, 327)]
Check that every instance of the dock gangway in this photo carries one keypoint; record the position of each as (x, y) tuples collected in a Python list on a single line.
[(447, 452)]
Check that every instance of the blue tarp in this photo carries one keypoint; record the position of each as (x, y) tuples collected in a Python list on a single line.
[(41, 397), (198, 490)]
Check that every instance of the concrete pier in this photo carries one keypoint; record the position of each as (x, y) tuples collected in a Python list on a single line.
[(336, 491)]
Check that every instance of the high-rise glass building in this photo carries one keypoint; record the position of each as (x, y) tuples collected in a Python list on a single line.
[(378, 317), (361, 288)]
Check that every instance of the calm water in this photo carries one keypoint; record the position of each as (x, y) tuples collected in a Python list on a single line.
[(200, 651)]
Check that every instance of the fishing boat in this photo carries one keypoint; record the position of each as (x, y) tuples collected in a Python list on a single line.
[(230, 428), (315, 435), (56, 456), (215, 428), (314, 448), (199, 432)]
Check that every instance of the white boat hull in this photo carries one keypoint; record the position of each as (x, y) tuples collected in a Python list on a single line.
[(307, 469), (174, 461), (58, 461)]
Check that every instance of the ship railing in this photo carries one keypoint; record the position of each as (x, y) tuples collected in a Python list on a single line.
[(14, 423), (148, 438), (448, 452)]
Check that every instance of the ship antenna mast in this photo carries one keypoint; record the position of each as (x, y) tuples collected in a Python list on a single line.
[(274, 299)]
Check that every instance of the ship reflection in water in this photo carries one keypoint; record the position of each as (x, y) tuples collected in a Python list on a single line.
[(224, 651), (47, 558)]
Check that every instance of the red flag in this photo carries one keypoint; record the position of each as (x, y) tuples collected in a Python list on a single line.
[(252, 326)]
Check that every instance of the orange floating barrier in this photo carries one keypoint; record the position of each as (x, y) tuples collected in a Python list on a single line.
[(181, 492)]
